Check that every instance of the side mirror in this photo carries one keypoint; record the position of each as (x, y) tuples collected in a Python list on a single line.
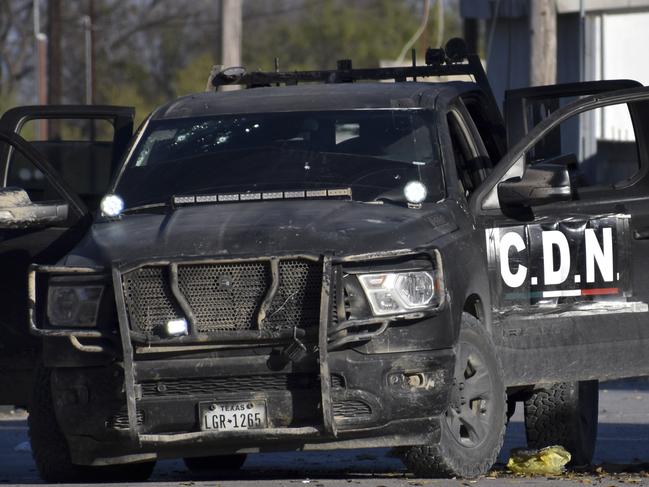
[(18, 211), (542, 183)]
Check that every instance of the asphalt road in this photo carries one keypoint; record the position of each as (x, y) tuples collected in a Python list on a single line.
[(622, 456)]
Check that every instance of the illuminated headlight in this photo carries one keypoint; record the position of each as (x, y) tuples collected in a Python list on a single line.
[(399, 292), (73, 306)]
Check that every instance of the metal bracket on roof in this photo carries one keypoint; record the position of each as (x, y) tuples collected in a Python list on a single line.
[(452, 60)]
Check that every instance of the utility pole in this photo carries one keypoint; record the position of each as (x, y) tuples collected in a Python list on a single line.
[(88, 23), (54, 61), (543, 42), (87, 41), (231, 28), (93, 43), (41, 63)]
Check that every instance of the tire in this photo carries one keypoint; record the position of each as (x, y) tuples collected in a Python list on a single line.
[(218, 463), (50, 448), (473, 428), (564, 414)]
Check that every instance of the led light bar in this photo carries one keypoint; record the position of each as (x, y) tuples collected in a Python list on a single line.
[(338, 193)]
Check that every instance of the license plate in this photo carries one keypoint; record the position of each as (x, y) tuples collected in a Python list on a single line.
[(232, 416)]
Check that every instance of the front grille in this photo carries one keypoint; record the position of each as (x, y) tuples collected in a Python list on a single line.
[(213, 385), (148, 298), (225, 297), (351, 409)]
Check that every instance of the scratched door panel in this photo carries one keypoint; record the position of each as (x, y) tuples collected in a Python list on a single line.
[(560, 266), (563, 299)]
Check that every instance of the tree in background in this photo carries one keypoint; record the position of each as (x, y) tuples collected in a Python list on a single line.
[(16, 51), (149, 51)]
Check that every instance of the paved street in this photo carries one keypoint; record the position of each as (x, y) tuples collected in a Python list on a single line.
[(623, 446)]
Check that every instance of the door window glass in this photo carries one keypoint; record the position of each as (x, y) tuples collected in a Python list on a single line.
[(486, 130), (604, 144), (80, 150), (25, 175), (472, 165)]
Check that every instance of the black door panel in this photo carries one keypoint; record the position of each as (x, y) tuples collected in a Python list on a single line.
[(570, 286), (72, 171)]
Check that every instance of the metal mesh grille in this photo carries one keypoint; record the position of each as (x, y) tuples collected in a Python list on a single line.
[(212, 385), (351, 409), (148, 298), (297, 301), (225, 297)]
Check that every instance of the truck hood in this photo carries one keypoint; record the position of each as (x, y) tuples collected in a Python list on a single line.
[(260, 229)]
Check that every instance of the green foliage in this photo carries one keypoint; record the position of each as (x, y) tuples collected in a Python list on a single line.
[(7, 100), (193, 77), (366, 32), (148, 52)]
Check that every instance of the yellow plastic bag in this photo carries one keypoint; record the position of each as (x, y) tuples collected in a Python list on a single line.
[(550, 460)]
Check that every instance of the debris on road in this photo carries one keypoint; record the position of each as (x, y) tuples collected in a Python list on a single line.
[(550, 460)]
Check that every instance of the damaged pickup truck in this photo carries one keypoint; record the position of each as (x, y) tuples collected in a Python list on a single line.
[(321, 261)]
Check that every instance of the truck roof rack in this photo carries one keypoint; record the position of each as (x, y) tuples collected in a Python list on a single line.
[(451, 60)]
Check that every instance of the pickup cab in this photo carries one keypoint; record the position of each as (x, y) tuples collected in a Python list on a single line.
[(322, 261)]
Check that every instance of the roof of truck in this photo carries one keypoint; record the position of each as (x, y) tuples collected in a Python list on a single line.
[(311, 97)]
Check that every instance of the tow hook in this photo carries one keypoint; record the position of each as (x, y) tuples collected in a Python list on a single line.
[(296, 350)]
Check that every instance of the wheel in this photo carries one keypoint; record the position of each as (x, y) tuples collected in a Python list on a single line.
[(50, 448), (564, 414), (473, 427), (217, 463)]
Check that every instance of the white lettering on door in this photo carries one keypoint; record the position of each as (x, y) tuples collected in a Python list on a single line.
[(595, 253), (551, 239), (512, 279)]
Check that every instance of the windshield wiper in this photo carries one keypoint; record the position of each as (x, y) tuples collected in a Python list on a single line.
[(390, 201), (144, 208)]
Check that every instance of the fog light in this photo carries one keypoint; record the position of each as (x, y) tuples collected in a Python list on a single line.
[(176, 327)]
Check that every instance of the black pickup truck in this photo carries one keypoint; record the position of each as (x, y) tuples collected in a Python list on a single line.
[(325, 261)]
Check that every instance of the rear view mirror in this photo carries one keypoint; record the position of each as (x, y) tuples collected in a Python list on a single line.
[(18, 211), (542, 183)]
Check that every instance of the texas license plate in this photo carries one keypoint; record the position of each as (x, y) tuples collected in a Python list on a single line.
[(232, 416)]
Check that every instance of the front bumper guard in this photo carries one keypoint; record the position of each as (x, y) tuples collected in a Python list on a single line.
[(329, 339)]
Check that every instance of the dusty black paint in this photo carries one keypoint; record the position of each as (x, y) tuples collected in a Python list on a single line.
[(111, 371)]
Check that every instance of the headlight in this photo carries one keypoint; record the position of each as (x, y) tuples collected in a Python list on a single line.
[(73, 306), (399, 292)]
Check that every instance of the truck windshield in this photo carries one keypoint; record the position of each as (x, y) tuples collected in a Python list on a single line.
[(375, 153)]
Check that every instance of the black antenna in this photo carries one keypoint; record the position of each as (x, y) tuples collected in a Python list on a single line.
[(413, 55)]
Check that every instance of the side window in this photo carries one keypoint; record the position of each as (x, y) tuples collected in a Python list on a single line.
[(471, 162), (80, 150), (22, 173), (601, 143), (486, 129)]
